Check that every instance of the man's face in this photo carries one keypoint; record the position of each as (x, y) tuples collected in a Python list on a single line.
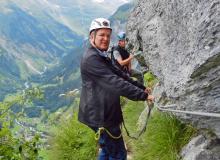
[(122, 43), (102, 39)]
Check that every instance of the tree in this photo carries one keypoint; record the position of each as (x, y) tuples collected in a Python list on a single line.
[(17, 148)]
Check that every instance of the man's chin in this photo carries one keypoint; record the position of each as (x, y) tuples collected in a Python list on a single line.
[(103, 49)]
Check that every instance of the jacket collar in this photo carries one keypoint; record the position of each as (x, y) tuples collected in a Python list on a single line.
[(101, 53)]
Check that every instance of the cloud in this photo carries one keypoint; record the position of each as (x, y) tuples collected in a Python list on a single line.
[(99, 1)]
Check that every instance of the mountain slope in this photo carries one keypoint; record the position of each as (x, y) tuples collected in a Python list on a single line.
[(119, 19), (76, 14), (33, 41), (9, 74), (30, 45), (46, 35)]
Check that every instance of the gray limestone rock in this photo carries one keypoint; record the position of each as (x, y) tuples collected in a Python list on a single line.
[(180, 43), (202, 148), (180, 40)]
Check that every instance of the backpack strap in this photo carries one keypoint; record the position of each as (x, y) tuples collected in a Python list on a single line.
[(112, 51)]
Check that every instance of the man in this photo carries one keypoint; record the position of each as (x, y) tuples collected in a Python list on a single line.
[(124, 58), (102, 86)]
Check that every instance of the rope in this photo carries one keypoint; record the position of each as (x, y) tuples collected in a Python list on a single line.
[(102, 129), (207, 114), (142, 130), (166, 109), (150, 106)]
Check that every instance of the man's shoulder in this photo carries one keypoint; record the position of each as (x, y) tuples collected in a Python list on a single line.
[(116, 53), (91, 55), (115, 48), (89, 52), (119, 49)]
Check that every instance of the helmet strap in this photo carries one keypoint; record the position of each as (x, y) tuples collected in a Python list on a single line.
[(94, 36)]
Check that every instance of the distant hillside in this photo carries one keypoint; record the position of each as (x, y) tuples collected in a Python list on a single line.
[(75, 14), (30, 45), (61, 79), (9, 74), (119, 18)]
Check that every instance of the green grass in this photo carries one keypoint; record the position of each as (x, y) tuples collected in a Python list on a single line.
[(15, 129), (131, 113), (165, 134), (150, 79), (73, 141), (44, 154), (164, 138)]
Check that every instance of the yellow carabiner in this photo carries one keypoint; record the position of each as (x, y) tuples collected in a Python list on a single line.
[(98, 133)]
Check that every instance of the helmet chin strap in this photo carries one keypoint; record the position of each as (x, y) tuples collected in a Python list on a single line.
[(94, 37), (93, 41)]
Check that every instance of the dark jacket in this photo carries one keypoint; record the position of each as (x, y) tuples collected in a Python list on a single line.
[(101, 91), (124, 55), (123, 52)]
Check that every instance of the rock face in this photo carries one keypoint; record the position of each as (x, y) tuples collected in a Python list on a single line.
[(180, 40), (202, 148)]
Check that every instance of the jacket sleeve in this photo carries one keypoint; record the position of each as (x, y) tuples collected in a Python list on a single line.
[(122, 74), (102, 74), (116, 68)]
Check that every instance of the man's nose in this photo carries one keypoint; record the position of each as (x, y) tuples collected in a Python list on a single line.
[(106, 38)]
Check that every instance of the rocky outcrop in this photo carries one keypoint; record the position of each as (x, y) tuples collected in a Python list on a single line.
[(202, 148), (180, 40)]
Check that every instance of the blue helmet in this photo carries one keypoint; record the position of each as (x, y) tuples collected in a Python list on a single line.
[(121, 36)]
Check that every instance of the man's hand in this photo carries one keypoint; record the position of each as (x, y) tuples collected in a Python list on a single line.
[(150, 98), (150, 101), (131, 57), (148, 90)]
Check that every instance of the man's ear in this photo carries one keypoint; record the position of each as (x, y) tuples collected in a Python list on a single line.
[(91, 36)]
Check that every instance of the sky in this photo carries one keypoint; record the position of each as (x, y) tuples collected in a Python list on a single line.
[(100, 1)]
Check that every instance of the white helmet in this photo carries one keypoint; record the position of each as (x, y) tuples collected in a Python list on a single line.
[(99, 23)]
